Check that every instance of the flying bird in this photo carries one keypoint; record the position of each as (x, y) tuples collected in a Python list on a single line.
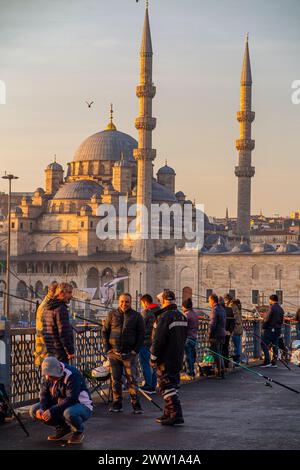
[(89, 104)]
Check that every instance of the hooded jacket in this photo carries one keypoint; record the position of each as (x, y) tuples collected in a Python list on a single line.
[(57, 331), (169, 336)]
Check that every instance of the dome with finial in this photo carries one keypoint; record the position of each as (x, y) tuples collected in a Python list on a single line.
[(107, 145), (166, 170)]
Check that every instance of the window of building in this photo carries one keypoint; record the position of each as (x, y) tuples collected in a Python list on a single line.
[(255, 297), (91, 224), (82, 224), (21, 225), (12, 225), (279, 294), (208, 294)]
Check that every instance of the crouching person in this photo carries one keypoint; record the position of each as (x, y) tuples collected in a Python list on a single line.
[(65, 401), (167, 351)]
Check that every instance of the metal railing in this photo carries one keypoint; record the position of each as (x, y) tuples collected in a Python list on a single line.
[(24, 377)]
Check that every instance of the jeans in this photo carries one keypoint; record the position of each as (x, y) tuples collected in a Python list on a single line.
[(148, 373), (190, 355), (270, 337), (74, 416), (237, 341)]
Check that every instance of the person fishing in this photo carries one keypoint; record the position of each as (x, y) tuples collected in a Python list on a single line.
[(271, 331)]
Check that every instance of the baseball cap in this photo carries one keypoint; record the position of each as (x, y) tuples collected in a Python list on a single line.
[(168, 295), (51, 366)]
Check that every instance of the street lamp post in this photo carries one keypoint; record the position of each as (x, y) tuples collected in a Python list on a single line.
[(9, 178)]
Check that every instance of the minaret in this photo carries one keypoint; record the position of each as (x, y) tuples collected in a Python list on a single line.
[(145, 124), (244, 171), (143, 249)]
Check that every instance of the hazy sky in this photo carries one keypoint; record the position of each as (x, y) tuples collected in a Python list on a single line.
[(56, 54)]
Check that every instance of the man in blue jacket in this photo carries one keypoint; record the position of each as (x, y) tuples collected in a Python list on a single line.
[(65, 401), (272, 330)]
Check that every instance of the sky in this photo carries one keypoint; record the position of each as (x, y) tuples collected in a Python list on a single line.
[(56, 54)]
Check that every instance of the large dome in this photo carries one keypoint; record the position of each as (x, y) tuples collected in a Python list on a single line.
[(81, 189), (107, 145)]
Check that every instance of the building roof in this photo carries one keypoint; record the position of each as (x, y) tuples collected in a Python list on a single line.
[(109, 145), (54, 166), (166, 170), (263, 248), (287, 248), (161, 194), (80, 189)]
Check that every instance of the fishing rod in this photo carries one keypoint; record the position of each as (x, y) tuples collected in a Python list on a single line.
[(10, 408), (259, 374), (139, 388)]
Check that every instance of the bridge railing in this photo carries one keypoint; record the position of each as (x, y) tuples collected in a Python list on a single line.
[(22, 378)]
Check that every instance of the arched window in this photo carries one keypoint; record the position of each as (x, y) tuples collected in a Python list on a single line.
[(93, 280), (39, 290), (22, 290), (107, 275), (122, 286)]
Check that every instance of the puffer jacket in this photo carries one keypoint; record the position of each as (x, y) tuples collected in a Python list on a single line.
[(217, 322), (123, 332), (57, 330), (169, 337), (40, 352)]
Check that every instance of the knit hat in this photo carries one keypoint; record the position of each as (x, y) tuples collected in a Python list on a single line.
[(51, 366)]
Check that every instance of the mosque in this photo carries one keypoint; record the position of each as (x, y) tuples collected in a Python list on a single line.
[(53, 233)]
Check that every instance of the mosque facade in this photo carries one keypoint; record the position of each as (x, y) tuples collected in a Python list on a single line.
[(54, 231)]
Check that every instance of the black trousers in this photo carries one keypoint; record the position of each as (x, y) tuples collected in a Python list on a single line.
[(225, 350), (167, 383), (216, 346)]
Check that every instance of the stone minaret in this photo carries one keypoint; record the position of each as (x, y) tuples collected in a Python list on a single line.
[(145, 123), (244, 171), (144, 155)]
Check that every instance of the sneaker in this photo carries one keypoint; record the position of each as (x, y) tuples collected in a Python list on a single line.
[(150, 391), (62, 433), (172, 421), (137, 409), (266, 365), (161, 418), (274, 366), (116, 407), (76, 438)]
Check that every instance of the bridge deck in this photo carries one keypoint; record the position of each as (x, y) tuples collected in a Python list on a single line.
[(237, 413)]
